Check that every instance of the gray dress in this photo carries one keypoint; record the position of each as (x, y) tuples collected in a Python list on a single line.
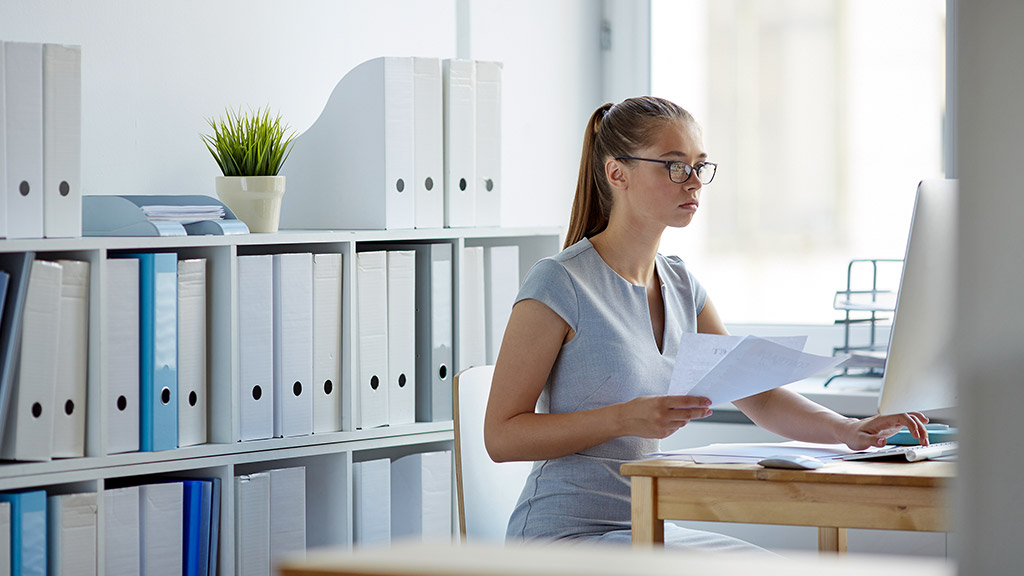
[(612, 358)]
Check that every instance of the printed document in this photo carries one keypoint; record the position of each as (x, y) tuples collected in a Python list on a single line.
[(727, 368)]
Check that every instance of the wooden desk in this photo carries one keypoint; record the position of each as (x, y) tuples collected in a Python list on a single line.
[(840, 495)]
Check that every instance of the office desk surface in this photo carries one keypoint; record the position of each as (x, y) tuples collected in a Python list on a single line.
[(444, 559), (840, 495)]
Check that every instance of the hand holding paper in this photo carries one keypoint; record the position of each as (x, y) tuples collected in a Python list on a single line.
[(727, 368)]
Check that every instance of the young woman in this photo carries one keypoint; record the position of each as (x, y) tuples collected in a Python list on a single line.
[(579, 384)]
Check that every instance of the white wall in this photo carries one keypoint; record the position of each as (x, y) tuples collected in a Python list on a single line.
[(153, 70)]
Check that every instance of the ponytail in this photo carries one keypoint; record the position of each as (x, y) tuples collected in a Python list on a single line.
[(614, 130), (589, 215)]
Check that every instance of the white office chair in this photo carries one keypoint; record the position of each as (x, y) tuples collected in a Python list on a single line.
[(486, 490)]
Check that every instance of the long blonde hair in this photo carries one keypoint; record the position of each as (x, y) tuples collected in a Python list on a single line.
[(613, 130)]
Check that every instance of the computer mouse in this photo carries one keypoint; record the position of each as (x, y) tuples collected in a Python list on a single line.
[(792, 461)]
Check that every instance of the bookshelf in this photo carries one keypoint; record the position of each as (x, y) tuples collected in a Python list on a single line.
[(327, 457)]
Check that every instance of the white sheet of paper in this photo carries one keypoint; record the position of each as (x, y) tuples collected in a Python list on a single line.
[(751, 453), (751, 366), (698, 354)]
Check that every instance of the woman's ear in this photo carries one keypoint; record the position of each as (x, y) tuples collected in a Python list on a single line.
[(615, 171)]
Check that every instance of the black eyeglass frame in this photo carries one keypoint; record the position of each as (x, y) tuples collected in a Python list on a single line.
[(688, 168)]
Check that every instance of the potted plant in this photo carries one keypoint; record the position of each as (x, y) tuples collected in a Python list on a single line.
[(250, 149)]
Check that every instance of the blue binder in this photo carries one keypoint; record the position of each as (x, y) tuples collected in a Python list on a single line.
[(17, 265), (192, 529), (28, 532), (158, 350)]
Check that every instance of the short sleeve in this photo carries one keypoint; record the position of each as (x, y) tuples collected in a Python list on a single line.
[(700, 295), (549, 283)]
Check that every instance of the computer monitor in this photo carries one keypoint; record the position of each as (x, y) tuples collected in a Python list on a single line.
[(918, 369)]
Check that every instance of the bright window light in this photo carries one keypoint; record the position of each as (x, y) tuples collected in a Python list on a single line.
[(823, 116)]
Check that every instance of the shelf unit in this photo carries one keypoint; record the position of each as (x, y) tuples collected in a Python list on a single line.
[(327, 457)]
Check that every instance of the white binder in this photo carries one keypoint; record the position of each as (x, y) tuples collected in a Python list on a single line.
[(459, 84), (121, 532), (287, 514), (293, 344), (161, 528), (372, 347), (421, 497), (3, 141), (256, 347), (71, 521), (472, 309), (62, 140), (252, 524), (121, 354), (434, 327), (501, 285), (28, 434), (327, 383), (24, 185), (192, 384), (72, 361), (353, 168), (371, 495), (488, 143), (428, 149), (401, 337)]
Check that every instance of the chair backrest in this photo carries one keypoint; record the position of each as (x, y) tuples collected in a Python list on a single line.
[(487, 491)]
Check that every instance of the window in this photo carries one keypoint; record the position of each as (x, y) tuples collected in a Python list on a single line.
[(823, 115)]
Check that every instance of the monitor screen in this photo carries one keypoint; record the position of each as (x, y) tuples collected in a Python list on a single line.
[(919, 369)]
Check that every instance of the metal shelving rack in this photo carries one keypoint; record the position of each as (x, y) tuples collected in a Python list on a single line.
[(868, 306)]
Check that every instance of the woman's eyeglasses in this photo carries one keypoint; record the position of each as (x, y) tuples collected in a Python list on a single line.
[(680, 171)]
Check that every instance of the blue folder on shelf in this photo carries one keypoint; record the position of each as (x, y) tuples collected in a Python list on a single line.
[(123, 216), (28, 532), (17, 265), (192, 526), (158, 350)]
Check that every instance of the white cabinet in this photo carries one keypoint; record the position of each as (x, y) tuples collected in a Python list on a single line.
[(327, 457)]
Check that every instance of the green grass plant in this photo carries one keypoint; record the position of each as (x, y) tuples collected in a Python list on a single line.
[(249, 144)]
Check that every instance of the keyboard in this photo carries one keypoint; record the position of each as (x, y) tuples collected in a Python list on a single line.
[(907, 453)]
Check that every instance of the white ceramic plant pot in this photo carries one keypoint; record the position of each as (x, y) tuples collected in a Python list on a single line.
[(255, 200)]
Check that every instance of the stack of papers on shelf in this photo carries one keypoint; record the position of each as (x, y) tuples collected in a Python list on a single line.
[(183, 214), (754, 452)]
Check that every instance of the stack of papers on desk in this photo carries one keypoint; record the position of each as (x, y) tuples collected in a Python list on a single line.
[(754, 452), (728, 368), (183, 214)]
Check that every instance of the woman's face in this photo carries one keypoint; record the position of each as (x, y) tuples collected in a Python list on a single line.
[(649, 192)]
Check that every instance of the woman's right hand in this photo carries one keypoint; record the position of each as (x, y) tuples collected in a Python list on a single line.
[(660, 416)]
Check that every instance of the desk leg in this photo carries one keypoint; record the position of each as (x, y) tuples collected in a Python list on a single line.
[(648, 530), (831, 540)]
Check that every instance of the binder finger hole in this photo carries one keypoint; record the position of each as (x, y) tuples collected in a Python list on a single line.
[(193, 398), (328, 386), (401, 380), (122, 403), (429, 183), (65, 188), (462, 184), (442, 371), (400, 185), (23, 188), (297, 388), (489, 184), (165, 396), (69, 407), (374, 382), (257, 392), (37, 409)]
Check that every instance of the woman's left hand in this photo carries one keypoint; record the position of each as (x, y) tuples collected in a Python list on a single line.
[(874, 431)]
